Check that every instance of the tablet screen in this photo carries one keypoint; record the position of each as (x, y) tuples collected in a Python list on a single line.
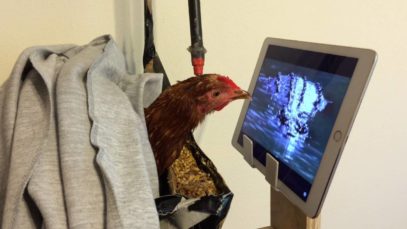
[(296, 100)]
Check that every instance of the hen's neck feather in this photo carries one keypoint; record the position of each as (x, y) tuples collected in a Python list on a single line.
[(169, 120)]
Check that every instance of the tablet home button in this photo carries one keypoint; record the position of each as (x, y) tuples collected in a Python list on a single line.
[(337, 135)]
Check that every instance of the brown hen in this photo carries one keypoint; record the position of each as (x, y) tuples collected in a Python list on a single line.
[(180, 108)]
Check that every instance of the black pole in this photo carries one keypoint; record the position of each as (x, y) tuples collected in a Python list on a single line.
[(196, 49)]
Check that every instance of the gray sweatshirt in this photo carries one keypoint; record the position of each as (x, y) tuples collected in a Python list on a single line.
[(74, 151)]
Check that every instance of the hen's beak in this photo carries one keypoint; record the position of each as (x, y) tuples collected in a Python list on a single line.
[(241, 94)]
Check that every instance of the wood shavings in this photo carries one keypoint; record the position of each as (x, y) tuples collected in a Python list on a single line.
[(185, 177)]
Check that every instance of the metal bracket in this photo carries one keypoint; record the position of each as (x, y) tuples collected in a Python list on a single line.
[(270, 171), (248, 150)]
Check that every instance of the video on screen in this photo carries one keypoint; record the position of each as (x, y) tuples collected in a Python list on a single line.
[(292, 113)]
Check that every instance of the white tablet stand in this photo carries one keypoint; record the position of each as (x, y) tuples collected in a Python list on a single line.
[(283, 214)]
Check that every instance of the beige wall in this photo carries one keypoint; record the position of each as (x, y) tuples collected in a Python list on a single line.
[(369, 190), (25, 23)]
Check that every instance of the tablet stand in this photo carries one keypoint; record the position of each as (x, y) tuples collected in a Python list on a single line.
[(283, 214)]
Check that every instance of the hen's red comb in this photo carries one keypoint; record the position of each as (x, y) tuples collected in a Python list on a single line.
[(228, 81)]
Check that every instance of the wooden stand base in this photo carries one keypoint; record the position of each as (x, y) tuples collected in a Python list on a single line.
[(285, 215)]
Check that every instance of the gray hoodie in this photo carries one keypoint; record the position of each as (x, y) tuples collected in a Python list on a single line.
[(74, 151)]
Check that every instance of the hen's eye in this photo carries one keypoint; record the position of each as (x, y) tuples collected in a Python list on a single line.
[(216, 93)]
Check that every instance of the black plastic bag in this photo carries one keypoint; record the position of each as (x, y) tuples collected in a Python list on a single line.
[(205, 212)]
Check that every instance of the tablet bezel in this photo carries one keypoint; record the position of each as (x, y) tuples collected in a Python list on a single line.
[(347, 113)]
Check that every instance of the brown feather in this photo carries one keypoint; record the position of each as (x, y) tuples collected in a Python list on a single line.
[(175, 113)]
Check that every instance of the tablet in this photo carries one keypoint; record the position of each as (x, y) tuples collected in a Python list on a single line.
[(305, 97)]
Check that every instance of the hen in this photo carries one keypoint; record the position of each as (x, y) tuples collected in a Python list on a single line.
[(180, 108)]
